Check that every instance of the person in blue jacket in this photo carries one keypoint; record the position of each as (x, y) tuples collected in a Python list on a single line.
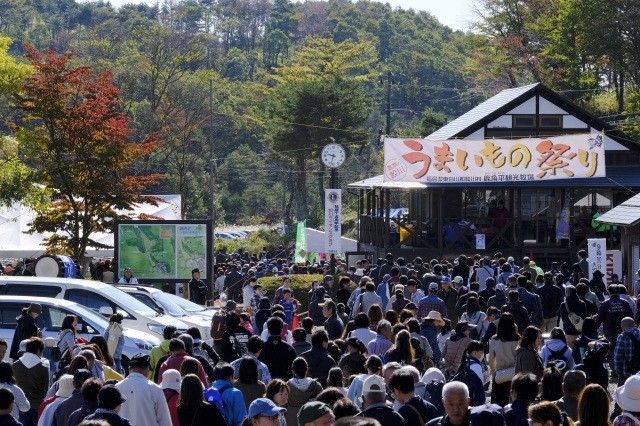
[(234, 407)]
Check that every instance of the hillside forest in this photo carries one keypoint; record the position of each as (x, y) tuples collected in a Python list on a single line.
[(243, 94)]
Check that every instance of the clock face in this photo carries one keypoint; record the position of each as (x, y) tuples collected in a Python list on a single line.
[(333, 155)]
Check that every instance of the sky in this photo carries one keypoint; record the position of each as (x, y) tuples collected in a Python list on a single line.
[(454, 13)]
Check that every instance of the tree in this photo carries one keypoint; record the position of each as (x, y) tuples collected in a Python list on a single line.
[(77, 137), (320, 95)]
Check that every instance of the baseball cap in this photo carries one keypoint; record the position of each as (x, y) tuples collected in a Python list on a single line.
[(433, 287), (510, 259), (359, 272), (139, 361), (320, 291), (328, 303), (445, 279), (81, 375), (412, 283), (264, 407), (373, 383), (171, 379), (500, 287), (109, 397), (312, 411), (327, 278), (458, 279), (194, 270)]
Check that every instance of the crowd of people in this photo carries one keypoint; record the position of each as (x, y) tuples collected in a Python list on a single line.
[(472, 341)]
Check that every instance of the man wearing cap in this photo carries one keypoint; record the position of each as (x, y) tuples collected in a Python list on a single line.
[(89, 392), (146, 404), (128, 278), (110, 401), (374, 395), (499, 299), (449, 296), (333, 325), (265, 408), (315, 413), (197, 288), (31, 372), (432, 302), (65, 409)]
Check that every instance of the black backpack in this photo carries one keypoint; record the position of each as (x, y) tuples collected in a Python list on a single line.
[(633, 365), (433, 394), (473, 382), (559, 357)]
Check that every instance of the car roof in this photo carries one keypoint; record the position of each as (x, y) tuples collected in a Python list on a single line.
[(129, 287), (48, 280), (41, 300)]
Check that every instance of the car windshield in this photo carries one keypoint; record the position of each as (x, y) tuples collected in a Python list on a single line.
[(127, 301), (185, 304), (89, 315), (170, 307)]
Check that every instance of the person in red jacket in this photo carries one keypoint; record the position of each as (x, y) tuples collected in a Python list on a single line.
[(171, 388)]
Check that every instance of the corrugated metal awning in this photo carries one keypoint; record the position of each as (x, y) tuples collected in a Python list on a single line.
[(626, 214)]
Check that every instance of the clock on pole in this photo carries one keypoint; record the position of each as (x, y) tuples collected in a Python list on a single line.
[(333, 155)]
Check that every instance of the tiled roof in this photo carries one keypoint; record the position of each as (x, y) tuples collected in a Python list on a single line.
[(626, 214)]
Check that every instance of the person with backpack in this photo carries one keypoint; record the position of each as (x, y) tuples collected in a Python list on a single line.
[(170, 385), (627, 351), (414, 409), (474, 316), (471, 373), (366, 299), (556, 349), (225, 397), (571, 311)]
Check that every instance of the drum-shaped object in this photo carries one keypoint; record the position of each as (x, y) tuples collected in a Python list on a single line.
[(55, 265)]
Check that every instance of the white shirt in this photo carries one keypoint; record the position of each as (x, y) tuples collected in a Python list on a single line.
[(145, 405), (265, 335), (363, 334), (132, 281), (20, 399)]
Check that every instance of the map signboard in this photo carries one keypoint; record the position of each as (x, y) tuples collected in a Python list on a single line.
[(162, 250)]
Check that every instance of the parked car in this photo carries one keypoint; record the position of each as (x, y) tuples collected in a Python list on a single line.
[(100, 297), (53, 312), (161, 302), (193, 308)]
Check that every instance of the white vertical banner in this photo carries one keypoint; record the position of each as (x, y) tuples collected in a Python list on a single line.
[(597, 252), (614, 265), (332, 220)]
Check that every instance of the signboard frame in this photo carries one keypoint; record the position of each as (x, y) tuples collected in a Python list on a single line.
[(206, 274)]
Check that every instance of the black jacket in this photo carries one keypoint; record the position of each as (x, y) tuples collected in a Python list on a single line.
[(334, 327), (25, 329), (384, 414), (234, 343), (278, 357), (319, 363), (520, 314), (198, 291), (113, 418), (205, 415), (553, 297)]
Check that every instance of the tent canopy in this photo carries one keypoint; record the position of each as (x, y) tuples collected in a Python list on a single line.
[(315, 242), (15, 220)]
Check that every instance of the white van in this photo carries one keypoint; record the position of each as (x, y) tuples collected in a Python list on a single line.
[(162, 302), (53, 312), (95, 295)]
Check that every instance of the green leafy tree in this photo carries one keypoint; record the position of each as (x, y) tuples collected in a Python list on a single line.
[(76, 136)]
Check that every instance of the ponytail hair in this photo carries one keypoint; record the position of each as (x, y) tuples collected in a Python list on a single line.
[(356, 343)]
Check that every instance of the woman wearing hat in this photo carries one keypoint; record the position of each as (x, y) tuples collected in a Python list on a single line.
[(455, 346), (627, 397), (429, 329), (26, 327)]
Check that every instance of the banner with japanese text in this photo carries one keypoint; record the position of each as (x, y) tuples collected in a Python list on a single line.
[(301, 243), (491, 160), (332, 220), (597, 255)]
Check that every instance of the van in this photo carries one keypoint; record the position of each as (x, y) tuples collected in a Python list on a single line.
[(97, 296), (162, 302), (53, 312)]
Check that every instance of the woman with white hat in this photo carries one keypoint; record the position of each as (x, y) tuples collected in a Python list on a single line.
[(627, 397)]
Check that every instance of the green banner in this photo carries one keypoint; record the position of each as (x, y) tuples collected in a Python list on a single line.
[(301, 243)]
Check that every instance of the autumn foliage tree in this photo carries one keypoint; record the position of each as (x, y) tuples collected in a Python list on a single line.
[(75, 133)]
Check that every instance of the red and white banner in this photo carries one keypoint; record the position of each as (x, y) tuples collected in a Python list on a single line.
[(491, 160)]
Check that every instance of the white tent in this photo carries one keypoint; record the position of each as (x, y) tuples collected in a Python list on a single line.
[(315, 242), (16, 243)]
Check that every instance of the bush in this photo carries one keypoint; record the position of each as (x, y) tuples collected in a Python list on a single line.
[(253, 244), (301, 284)]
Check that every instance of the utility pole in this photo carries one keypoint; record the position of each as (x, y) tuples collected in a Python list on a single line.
[(389, 81), (212, 177)]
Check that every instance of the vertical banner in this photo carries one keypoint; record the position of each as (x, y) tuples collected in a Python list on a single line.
[(562, 226), (597, 251), (480, 241), (301, 243), (332, 220), (614, 265)]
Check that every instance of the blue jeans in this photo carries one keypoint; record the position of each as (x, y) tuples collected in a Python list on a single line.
[(29, 418)]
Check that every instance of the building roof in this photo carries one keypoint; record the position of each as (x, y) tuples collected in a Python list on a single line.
[(508, 99), (626, 214), (621, 176)]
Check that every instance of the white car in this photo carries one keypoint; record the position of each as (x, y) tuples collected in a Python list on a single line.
[(95, 295), (193, 308), (53, 312), (163, 303)]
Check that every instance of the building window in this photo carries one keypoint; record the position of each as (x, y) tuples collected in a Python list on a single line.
[(550, 121), (524, 121)]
